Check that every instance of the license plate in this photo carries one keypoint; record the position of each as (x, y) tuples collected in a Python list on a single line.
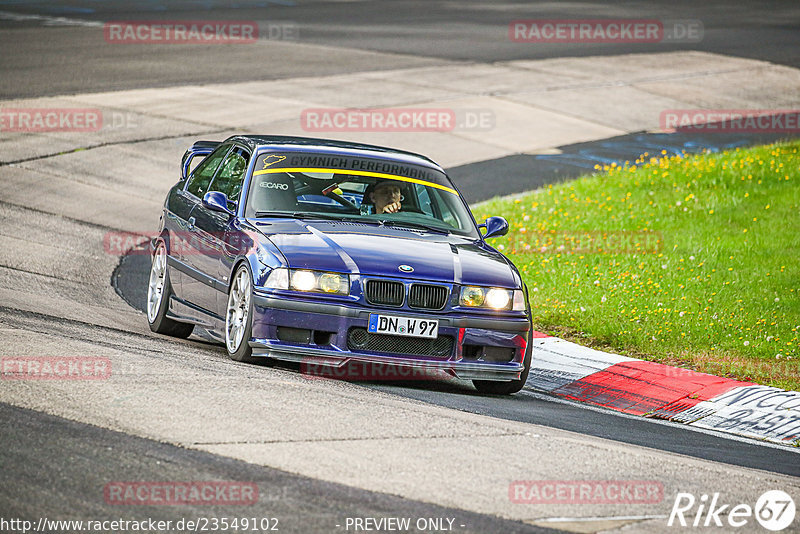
[(403, 326)]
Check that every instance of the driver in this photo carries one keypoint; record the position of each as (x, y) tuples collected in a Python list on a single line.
[(386, 196)]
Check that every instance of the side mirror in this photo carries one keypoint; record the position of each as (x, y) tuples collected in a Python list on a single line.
[(217, 201), (495, 227)]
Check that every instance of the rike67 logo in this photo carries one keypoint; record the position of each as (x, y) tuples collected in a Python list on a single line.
[(774, 510)]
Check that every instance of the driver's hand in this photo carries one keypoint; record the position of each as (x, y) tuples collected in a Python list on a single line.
[(394, 207)]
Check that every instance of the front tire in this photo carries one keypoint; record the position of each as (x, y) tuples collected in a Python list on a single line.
[(492, 387), (158, 292), (239, 317)]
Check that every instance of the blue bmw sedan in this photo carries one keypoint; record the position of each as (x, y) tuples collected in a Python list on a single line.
[(311, 250)]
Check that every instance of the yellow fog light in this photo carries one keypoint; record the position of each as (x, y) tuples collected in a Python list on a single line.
[(472, 296), (333, 283)]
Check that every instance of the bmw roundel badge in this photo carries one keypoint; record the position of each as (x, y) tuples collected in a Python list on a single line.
[(406, 268)]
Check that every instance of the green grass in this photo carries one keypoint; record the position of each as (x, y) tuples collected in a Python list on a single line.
[(714, 284)]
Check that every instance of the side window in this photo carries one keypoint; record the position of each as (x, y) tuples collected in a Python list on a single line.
[(202, 175), (231, 174)]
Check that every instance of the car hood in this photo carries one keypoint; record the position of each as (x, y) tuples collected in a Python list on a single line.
[(375, 250)]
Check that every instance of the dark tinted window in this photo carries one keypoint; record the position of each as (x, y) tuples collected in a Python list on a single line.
[(231, 174), (202, 175)]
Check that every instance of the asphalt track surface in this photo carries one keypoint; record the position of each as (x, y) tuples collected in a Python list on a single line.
[(417, 32), (90, 454), (44, 57)]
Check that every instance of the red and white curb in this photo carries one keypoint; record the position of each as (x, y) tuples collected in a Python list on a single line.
[(659, 391)]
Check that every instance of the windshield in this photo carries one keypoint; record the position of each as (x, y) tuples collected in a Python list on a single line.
[(329, 186)]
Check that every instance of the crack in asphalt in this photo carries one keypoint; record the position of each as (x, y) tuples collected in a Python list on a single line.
[(111, 143), (89, 224), (165, 349), (370, 438), (15, 318), (105, 187), (627, 82), (51, 276), (563, 87)]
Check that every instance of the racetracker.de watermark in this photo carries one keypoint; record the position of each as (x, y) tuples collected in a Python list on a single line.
[(181, 243), (369, 372), (35, 120), (50, 120), (605, 31), (586, 242), (731, 120), (198, 31), (180, 493), (181, 32), (54, 368), (586, 492), (396, 120)]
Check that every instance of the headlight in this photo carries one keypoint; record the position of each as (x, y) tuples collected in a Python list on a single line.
[(495, 298), (308, 281), (499, 299), (304, 280)]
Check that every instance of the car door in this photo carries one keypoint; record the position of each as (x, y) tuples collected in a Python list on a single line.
[(196, 286), (216, 232)]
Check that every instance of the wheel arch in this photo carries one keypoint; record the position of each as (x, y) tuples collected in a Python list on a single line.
[(162, 237), (238, 262)]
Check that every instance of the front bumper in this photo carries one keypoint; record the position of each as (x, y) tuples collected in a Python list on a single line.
[(329, 325)]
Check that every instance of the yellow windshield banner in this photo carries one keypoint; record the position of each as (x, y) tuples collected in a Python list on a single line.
[(357, 173)]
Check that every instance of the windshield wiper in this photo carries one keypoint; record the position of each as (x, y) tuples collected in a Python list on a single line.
[(301, 215), (310, 215), (408, 224)]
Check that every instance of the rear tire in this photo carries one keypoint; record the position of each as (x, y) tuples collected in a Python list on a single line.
[(239, 317), (159, 291), (491, 387)]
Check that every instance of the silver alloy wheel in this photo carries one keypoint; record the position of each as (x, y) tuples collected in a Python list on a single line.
[(155, 289), (238, 311)]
